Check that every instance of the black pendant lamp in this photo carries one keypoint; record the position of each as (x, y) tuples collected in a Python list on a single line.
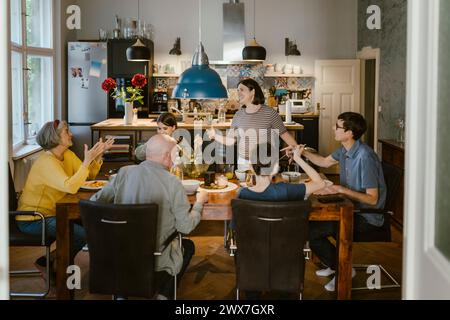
[(138, 51), (254, 52)]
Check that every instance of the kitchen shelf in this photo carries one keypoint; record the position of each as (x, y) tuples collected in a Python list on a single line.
[(166, 75), (282, 75)]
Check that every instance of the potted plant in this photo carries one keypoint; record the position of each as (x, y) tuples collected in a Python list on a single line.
[(129, 94)]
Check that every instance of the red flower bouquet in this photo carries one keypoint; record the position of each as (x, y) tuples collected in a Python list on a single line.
[(132, 93)]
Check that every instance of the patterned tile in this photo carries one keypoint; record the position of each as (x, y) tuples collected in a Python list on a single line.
[(281, 83), (233, 71), (292, 84), (162, 83)]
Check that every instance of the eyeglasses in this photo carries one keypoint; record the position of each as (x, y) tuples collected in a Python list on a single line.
[(339, 127)]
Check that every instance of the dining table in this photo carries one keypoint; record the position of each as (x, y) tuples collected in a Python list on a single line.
[(218, 208)]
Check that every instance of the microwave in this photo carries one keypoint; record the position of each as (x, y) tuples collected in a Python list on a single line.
[(298, 106)]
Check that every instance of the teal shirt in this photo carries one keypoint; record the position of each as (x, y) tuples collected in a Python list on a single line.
[(360, 169)]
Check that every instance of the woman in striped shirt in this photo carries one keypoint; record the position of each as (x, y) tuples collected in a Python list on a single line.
[(255, 123)]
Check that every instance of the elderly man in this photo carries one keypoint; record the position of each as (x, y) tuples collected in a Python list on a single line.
[(151, 182)]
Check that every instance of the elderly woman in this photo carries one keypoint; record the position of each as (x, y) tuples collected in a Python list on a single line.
[(57, 172)]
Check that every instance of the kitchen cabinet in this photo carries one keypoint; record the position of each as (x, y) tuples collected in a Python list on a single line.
[(119, 66), (310, 133), (393, 153)]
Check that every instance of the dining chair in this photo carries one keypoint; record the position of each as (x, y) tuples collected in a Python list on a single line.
[(18, 238), (270, 238), (392, 176), (123, 248)]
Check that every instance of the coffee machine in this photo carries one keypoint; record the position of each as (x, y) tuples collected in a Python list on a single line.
[(159, 104)]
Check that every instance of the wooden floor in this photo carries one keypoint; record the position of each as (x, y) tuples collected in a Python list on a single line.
[(210, 275)]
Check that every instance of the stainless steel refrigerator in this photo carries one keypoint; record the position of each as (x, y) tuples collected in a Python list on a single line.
[(87, 102)]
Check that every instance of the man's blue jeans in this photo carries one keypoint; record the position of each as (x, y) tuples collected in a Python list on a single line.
[(35, 227)]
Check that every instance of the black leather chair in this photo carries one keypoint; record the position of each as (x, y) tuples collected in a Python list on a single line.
[(270, 237), (122, 248), (392, 177), (20, 239)]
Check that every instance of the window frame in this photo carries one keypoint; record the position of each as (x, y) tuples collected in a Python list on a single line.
[(27, 51)]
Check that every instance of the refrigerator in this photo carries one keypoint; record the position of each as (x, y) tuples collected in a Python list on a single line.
[(87, 102)]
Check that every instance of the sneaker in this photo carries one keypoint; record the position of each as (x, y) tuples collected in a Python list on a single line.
[(161, 297), (331, 286), (325, 272)]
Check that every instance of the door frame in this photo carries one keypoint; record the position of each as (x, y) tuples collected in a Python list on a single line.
[(425, 269), (369, 53), (4, 98)]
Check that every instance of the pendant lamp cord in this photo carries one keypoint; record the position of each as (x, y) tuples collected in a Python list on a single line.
[(138, 10), (200, 21), (254, 19)]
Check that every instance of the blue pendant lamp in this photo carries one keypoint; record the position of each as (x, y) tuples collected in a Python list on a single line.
[(199, 81)]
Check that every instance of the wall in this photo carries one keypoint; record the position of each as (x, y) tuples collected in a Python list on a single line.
[(63, 35), (323, 29), (391, 40)]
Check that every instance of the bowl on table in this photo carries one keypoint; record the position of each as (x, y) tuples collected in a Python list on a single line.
[(241, 175), (190, 186), (291, 176), (195, 170)]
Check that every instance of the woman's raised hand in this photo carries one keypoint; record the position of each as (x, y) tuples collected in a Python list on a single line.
[(107, 144), (93, 153)]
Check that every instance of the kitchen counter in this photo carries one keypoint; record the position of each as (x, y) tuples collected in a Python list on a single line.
[(129, 136), (150, 124)]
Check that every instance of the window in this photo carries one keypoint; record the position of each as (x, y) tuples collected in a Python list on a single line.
[(32, 67)]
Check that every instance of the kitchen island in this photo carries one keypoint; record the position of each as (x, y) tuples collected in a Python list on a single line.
[(143, 129)]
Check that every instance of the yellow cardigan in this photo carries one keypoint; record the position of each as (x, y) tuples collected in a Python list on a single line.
[(50, 180)]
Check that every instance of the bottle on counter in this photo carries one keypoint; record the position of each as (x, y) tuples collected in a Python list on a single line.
[(317, 111), (221, 116)]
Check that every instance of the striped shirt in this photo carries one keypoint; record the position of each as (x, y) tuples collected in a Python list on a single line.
[(254, 128)]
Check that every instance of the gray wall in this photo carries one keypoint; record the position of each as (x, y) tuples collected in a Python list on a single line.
[(323, 29), (391, 40)]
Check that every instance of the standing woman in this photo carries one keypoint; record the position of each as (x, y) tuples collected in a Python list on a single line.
[(57, 172), (254, 121)]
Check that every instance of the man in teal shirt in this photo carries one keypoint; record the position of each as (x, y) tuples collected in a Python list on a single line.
[(361, 180)]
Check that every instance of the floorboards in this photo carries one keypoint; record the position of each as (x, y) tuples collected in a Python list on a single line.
[(211, 276)]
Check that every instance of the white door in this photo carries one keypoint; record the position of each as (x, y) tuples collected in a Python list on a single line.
[(426, 270), (337, 90)]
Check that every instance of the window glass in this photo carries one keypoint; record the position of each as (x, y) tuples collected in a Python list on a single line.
[(40, 92), (16, 22), (39, 23), (17, 100)]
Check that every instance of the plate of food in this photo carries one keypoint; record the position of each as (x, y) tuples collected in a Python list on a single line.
[(94, 184)]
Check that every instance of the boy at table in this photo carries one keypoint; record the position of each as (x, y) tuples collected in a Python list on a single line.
[(361, 180)]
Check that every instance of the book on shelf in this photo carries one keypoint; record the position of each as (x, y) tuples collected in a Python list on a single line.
[(118, 137), (120, 146)]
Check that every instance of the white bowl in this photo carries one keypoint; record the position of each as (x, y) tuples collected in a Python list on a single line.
[(190, 186), (240, 175), (291, 176)]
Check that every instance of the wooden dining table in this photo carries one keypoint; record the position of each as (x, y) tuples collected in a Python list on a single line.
[(218, 208)]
